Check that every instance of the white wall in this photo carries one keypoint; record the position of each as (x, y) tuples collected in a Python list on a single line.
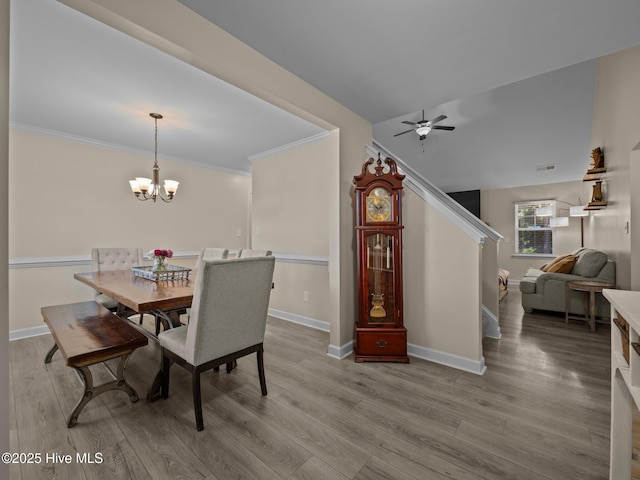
[(67, 197), (291, 207), (441, 261), (635, 218), (616, 129)]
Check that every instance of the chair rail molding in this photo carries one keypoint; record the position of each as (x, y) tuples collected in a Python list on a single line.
[(76, 260)]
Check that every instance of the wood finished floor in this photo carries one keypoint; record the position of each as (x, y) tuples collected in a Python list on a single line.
[(541, 411)]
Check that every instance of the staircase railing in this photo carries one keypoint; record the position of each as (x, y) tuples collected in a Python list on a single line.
[(460, 216)]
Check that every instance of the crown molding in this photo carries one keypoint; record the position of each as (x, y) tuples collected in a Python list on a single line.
[(289, 146), (121, 148)]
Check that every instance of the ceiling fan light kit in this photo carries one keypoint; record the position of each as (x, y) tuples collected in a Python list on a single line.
[(149, 188), (423, 130)]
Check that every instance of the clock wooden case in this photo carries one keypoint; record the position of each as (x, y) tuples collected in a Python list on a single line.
[(380, 334)]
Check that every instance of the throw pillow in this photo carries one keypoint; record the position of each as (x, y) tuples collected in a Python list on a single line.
[(563, 266), (545, 267)]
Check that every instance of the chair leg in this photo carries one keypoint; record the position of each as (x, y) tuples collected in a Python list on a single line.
[(263, 383), (197, 399), (166, 370)]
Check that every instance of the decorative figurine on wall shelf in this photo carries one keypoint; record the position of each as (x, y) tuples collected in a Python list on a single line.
[(598, 160), (597, 169), (597, 198)]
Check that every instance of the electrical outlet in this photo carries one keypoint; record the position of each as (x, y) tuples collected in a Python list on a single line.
[(258, 230), (305, 296), (238, 232)]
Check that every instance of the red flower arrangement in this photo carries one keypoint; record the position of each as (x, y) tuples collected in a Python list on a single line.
[(162, 253)]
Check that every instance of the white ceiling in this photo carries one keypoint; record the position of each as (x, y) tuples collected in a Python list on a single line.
[(384, 60)]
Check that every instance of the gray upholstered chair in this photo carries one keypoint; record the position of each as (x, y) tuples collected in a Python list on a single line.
[(247, 253), (109, 259), (228, 320)]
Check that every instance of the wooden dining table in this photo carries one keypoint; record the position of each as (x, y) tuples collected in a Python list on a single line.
[(139, 295), (164, 299)]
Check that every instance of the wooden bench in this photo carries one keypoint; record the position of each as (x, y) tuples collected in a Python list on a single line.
[(87, 333)]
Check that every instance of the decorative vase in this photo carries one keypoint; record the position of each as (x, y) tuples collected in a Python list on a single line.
[(159, 265), (597, 192)]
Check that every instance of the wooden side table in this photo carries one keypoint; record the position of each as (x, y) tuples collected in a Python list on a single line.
[(590, 289)]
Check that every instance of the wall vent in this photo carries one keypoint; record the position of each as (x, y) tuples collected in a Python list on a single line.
[(545, 168)]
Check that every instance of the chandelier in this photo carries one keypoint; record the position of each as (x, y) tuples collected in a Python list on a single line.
[(149, 188)]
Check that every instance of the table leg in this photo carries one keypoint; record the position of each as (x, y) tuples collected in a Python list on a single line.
[(592, 310), (49, 355), (587, 310), (566, 303)]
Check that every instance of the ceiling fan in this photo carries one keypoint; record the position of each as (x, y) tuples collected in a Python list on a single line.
[(423, 127)]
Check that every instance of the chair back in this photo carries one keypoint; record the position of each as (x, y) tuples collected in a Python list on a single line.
[(248, 253), (208, 254), (108, 259), (229, 308)]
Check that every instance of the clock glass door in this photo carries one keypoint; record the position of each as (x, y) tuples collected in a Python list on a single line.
[(380, 273)]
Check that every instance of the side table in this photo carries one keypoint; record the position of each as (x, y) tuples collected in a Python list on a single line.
[(590, 289)]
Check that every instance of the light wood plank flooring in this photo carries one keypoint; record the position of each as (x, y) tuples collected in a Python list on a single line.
[(541, 411)]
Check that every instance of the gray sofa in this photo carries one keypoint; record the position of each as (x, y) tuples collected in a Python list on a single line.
[(546, 290)]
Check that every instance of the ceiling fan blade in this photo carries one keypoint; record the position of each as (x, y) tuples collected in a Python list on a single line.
[(442, 127), (438, 119), (402, 133), (409, 123)]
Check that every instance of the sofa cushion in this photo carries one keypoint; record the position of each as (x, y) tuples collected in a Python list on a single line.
[(589, 263), (563, 266)]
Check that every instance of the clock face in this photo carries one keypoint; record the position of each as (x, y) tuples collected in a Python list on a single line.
[(379, 205)]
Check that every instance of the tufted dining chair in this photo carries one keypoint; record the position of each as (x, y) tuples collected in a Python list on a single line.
[(209, 253), (109, 259), (247, 253), (228, 321)]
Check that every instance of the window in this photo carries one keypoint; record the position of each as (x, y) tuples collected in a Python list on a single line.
[(534, 235)]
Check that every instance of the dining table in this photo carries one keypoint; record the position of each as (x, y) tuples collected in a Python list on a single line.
[(166, 300)]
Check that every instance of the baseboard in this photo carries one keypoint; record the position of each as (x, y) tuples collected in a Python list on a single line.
[(491, 328), (299, 319), (28, 332), (340, 352), (454, 361)]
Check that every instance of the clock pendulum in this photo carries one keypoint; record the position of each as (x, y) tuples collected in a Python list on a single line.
[(377, 300)]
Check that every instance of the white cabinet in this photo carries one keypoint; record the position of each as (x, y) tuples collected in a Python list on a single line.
[(625, 378)]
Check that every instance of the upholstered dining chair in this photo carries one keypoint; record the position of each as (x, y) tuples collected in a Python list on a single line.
[(109, 259), (228, 321), (248, 252), (209, 253)]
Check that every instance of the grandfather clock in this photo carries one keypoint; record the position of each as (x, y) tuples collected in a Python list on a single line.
[(380, 332)]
